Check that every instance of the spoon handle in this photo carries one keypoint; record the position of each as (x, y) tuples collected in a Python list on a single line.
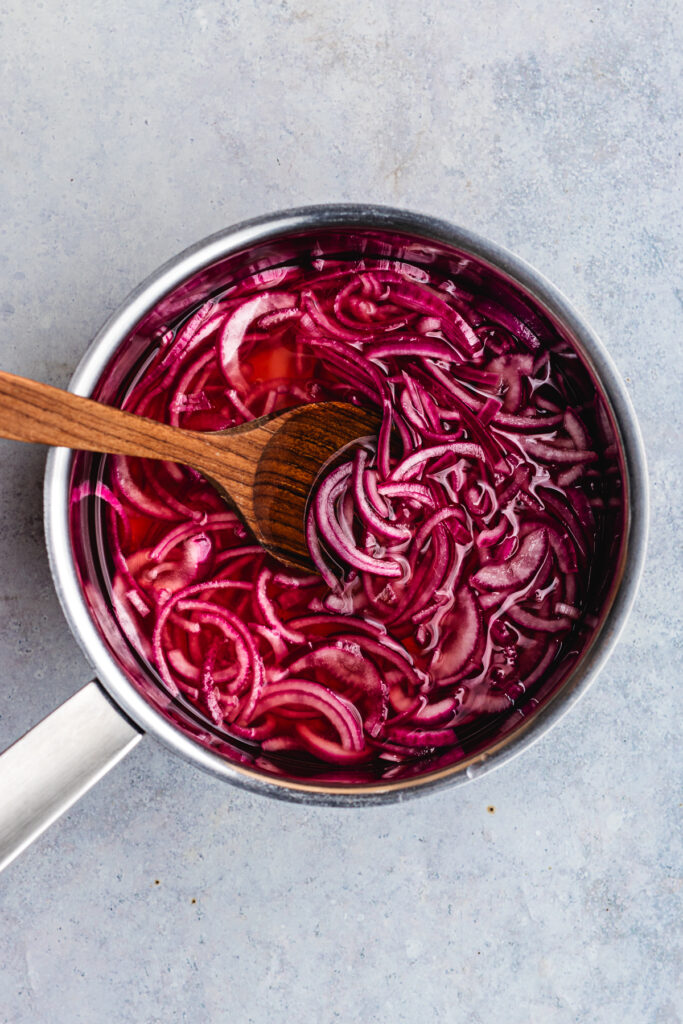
[(30, 411)]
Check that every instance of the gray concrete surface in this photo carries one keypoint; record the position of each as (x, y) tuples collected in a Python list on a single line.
[(129, 131)]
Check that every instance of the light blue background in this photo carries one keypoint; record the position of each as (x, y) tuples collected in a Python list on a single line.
[(129, 131)]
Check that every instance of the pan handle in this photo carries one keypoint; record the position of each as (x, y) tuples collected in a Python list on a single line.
[(56, 762)]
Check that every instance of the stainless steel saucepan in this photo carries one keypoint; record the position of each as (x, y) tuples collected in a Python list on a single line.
[(43, 773)]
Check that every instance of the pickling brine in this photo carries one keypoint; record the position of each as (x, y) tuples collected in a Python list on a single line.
[(460, 555)]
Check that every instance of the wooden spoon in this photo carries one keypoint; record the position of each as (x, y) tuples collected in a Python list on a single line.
[(265, 468)]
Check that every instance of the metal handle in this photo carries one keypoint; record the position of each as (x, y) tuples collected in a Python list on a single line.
[(56, 762)]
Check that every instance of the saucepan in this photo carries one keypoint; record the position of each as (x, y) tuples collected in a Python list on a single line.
[(44, 772)]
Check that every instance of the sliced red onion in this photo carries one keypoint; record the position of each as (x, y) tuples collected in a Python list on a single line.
[(341, 714), (237, 325), (327, 750), (537, 623), (462, 642), (518, 570), (344, 667), (185, 531), (453, 554), (267, 609), (101, 491), (554, 454), (421, 738), (410, 466), (141, 501), (375, 523), (334, 535)]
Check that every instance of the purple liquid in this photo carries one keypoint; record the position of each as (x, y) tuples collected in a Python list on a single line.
[(465, 556)]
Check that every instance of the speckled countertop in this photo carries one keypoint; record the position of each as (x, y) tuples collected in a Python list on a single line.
[(546, 892)]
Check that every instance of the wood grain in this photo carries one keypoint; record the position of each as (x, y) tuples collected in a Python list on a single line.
[(265, 468)]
